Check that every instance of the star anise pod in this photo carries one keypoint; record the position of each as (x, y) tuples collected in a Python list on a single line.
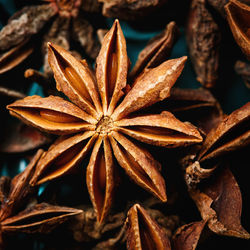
[(209, 179), (238, 15), (129, 10), (203, 38), (187, 236), (143, 232), (98, 118), (219, 201), (18, 214), (16, 192), (157, 50), (56, 21), (230, 135)]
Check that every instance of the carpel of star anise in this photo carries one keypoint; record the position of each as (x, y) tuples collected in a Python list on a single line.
[(238, 15), (187, 236), (17, 137), (230, 135), (195, 105), (157, 50), (143, 232), (102, 118)]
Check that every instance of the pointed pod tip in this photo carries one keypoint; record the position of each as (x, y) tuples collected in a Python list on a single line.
[(137, 206), (54, 47), (163, 198), (49, 44), (183, 58)]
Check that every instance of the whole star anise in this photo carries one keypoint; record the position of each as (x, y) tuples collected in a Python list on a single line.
[(97, 117)]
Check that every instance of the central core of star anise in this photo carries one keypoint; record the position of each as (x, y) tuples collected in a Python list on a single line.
[(105, 125)]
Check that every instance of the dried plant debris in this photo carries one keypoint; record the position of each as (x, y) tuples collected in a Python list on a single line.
[(220, 203), (219, 5), (109, 116), (243, 69), (103, 125), (129, 10), (59, 22), (11, 93), (238, 15), (203, 39)]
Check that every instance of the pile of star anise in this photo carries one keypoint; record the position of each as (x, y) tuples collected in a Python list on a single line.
[(165, 166)]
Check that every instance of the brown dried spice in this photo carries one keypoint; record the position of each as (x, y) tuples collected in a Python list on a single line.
[(105, 122), (157, 50), (203, 38), (21, 27), (243, 69), (238, 15), (19, 189), (210, 182), (17, 137), (69, 23), (231, 134), (197, 106), (220, 203), (187, 236), (16, 194), (40, 218), (143, 232), (129, 10)]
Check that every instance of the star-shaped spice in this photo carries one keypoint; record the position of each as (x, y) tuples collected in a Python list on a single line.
[(99, 117)]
